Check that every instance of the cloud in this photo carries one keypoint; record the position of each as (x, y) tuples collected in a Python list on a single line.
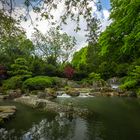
[(43, 25), (105, 21), (106, 14)]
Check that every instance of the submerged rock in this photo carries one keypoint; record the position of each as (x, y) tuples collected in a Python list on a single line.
[(47, 105), (6, 112)]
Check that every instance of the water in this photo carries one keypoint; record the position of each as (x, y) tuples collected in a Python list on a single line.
[(64, 96), (111, 119), (114, 86)]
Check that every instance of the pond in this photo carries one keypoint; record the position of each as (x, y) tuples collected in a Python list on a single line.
[(110, 119)]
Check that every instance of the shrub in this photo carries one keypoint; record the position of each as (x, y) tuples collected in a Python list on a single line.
[(12, 83), (129, 84), (132, 80), (94, 76), (38, 83)]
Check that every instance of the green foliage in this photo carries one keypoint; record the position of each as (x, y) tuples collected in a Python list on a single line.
[(94, 76), (86, 61), (132, 81), (38, 83), (119, 42), (136, 73), (14, 82), (20, 67), (54, 45), (129, 84), (51, 70), (79, 58)]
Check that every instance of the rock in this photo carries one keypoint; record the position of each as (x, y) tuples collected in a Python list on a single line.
[(70, 107), (95, 94), (1, 97), (120, 91), (41, 95), (131, 94), (47, 105), (114, 94), (72, 92), (59, 93), (123, 95), (40, 104), (51, 93), (14, 93), (113, 80), (6, 112), (106, 89)]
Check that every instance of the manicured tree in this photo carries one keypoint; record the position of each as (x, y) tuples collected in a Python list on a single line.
[(20, 68), (19, 72)]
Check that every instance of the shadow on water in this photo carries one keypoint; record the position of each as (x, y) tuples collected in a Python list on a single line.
[(110, 119)]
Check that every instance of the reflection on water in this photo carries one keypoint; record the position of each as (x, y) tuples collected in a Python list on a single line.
[(110, 119), (62, 127)]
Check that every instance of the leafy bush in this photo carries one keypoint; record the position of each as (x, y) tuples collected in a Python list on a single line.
[(94, 76), (12, 83), (122, 69), (38, 83), (51, 70), (132, 80), (129, 84), (60, 82)]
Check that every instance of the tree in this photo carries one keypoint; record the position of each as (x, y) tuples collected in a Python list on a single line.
[(119, 42), (69, 72), (79, 58), (13, 41), (54, 45), (72, 9), (20, 68)]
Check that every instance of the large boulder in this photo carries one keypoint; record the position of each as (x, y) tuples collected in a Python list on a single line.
[(72, 92), (51, 93)]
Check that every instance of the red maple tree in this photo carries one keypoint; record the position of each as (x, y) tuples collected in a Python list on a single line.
[(69, 72)]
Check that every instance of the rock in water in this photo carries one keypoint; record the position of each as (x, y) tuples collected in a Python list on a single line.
[(6, 112)]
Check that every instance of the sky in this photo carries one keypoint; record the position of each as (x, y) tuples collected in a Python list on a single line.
[(44, 26)]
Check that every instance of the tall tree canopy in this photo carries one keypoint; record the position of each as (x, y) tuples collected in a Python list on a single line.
[(13, 41), (121, 40), (54, 45)]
